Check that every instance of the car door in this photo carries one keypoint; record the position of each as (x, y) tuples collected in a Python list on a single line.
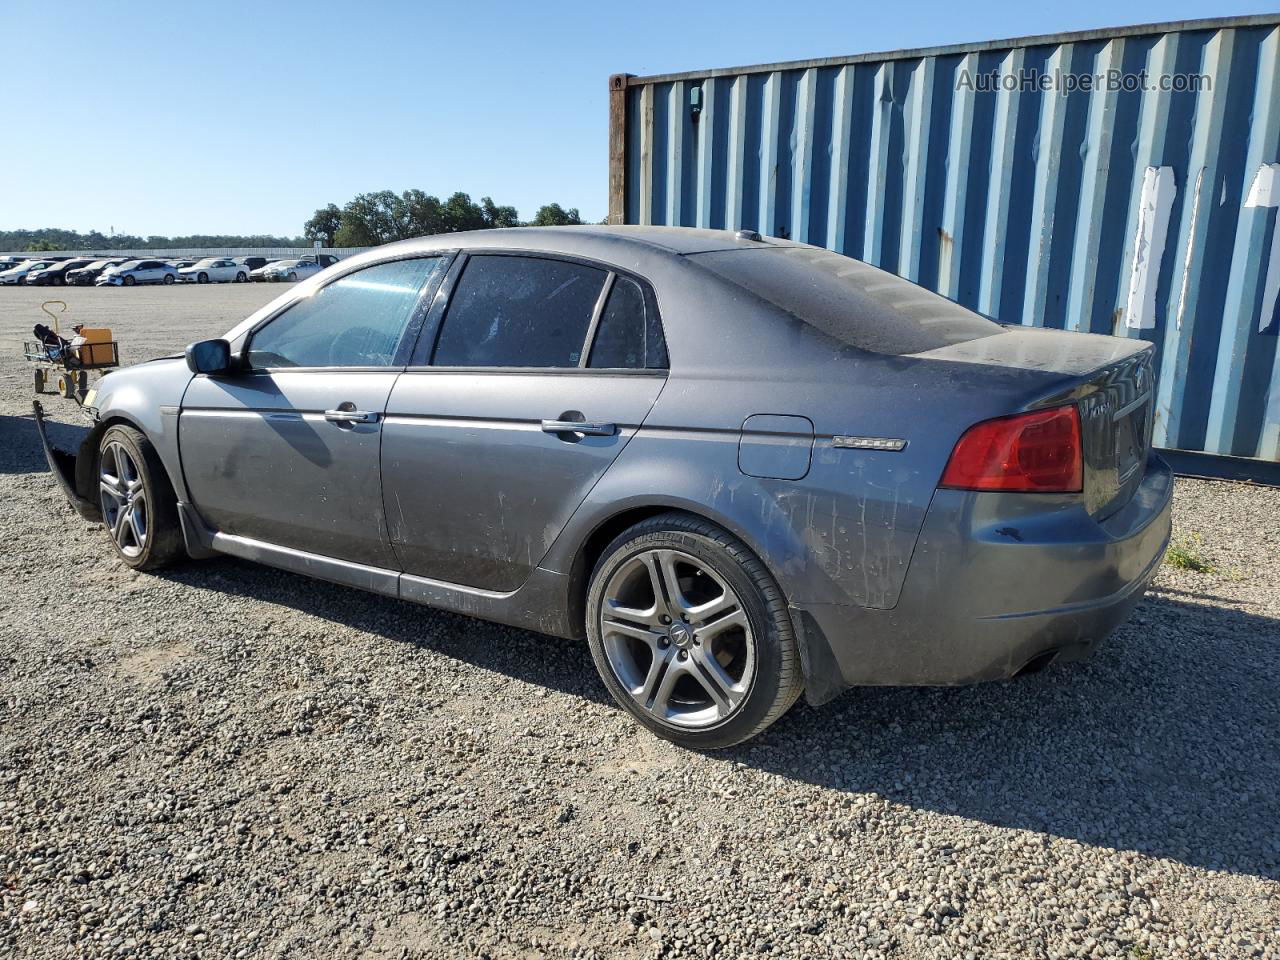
[(285, 451), (498, 430)]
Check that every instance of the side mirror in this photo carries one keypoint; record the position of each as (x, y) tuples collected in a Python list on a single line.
[(209, 356)]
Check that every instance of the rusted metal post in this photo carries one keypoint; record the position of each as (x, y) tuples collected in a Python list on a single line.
[(618, 147)]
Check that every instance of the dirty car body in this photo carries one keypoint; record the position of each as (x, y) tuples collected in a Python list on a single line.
[(806, 403)]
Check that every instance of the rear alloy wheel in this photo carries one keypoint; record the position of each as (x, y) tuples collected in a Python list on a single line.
[(241, 278), (691, 634), (138, 505), (168, 279)]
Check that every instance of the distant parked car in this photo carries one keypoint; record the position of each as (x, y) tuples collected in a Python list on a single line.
[(18, 274), (259, 274), (85, 275), (252, 263), (215, 270), (138, 271), (292, 270), (55, 275)]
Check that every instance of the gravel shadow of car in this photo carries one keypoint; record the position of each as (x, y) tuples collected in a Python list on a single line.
[(1166, 741), (20, 450)]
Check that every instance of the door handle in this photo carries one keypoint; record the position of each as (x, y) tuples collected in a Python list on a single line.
[(351, 416), (587, 428)]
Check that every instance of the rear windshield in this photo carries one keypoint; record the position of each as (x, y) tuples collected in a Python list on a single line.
[(848, 300)]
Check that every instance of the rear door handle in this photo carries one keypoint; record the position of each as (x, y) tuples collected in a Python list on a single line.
[(587, 428), (351, 416)]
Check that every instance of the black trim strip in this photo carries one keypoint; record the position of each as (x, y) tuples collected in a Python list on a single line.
[(1216, 466)]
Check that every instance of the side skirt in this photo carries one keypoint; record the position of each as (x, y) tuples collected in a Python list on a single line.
[(540, 605)]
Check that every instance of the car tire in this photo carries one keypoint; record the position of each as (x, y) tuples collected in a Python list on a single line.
[(139, 507), (202, 277), (293, 277), (128, 281), (241, 278), (709, 667), (58, 282), (168, 279), (22, 281)]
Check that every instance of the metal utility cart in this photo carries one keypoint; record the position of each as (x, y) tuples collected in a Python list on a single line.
[(67, 363)]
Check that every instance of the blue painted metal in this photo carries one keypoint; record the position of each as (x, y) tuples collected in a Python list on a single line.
[(1023, 203)]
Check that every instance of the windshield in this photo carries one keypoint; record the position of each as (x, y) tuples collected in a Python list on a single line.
[(848, 300), (206, 262), (128, 265)]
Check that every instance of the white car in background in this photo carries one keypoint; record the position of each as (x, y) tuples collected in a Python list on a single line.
[(18, 274), (215, 270), (138, 271), (292, 270)]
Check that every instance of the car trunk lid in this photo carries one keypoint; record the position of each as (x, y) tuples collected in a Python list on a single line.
[(1110, 380)]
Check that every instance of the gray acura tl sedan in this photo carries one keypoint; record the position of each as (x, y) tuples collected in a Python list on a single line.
[(743, 468)]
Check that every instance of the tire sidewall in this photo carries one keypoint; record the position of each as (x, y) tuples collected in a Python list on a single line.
[(764, 690)]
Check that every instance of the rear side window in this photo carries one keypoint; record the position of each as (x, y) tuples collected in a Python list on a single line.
[(356, 321), (519, 312), (628, 335), (848, 300)]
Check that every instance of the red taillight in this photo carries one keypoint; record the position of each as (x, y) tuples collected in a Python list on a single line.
[(1038, 452)]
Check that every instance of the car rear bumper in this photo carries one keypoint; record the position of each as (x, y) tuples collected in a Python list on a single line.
[(998, 584)]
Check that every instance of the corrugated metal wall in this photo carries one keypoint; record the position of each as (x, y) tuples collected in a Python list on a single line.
[(1140, 213)]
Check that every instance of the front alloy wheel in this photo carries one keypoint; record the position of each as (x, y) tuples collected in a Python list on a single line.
[(124, 501), (690, 632), (139, 508)]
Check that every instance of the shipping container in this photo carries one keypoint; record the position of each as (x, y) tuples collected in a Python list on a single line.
[(1121, 181)]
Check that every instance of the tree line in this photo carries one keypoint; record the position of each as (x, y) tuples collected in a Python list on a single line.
[(50, 238), (367, 220), (370, 219)]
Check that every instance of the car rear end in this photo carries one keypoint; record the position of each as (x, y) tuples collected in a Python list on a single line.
[(981, 500), (1046, 527)]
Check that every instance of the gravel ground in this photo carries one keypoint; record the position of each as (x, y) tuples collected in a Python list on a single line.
[(226, 761)]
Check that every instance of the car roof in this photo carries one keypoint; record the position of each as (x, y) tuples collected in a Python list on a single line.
[(589, 239)]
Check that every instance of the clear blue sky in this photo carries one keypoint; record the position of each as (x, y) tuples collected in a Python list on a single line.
[(231, 117)]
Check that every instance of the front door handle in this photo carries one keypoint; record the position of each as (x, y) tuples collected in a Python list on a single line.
[(587, 428), (351, 416)]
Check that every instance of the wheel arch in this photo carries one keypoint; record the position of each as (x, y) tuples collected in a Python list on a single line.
[(603, 530), (87, 458)]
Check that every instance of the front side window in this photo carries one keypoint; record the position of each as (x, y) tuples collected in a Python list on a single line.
[(628, 335), (356, 321), (509, 311)]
